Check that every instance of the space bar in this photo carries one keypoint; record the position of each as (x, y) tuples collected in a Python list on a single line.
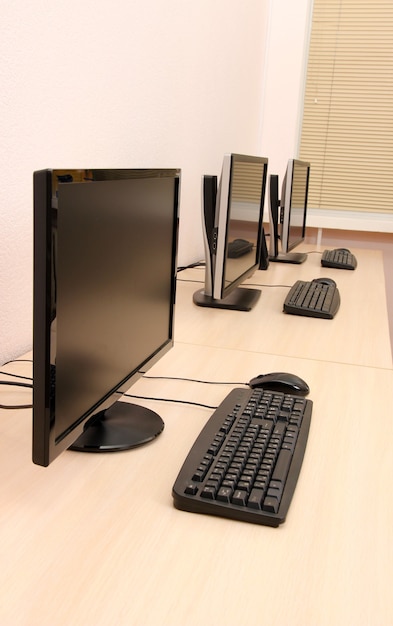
[(282, 466)]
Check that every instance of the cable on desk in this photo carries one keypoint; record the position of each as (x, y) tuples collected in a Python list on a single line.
[(193, 380), (196, 264), (189, 280), (204, 406), (16, 384), (264, 285), (18, 361), (16, 406), (16, 375)]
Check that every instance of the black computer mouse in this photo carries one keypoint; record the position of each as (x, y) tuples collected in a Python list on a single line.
[(281, 382), (325, 281)]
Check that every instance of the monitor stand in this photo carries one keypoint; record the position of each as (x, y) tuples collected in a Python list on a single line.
[(120, 427), (289, 257), (240, 299)]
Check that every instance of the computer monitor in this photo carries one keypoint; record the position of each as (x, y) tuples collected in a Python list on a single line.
[(105, 244), (290, 211), (232, 220)]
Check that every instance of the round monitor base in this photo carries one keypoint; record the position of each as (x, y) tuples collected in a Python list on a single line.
[(121, 427)]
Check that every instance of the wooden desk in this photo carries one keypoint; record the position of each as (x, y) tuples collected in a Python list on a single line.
[(359, 334), (94, 539)]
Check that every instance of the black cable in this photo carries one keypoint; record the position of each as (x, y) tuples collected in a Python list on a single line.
[(205, 406), (188, 280), (16, 406), (15, 384), (194, 380), (16, 375), (196, 264), (263, 285), (18, 361)]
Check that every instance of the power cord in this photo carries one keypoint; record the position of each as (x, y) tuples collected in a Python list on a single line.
[(181, 378), (193, 380), (16, 384)]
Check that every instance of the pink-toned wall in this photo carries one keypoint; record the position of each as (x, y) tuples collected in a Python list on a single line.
[(357, 239)]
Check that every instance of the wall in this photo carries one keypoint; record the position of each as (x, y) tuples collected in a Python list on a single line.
[(284, 80), (119, 84)]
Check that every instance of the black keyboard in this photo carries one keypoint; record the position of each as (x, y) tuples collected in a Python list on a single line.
[(246, 461), (238, 247), (313, 299), (340, 258)]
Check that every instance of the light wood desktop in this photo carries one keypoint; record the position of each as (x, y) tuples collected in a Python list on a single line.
[(359, 333), (94, 539)]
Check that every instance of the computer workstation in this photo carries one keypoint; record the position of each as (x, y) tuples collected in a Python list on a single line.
[(94, 538), (288, 219), (232, 226), (102, 320), (314, 284), (232, 208), (119, 513)]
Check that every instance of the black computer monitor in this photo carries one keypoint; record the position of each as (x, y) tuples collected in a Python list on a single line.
[(288, 214), (232, 216), (105, 244)]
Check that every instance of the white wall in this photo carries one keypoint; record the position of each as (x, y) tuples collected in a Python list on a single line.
[(119, 84), (284, 80)]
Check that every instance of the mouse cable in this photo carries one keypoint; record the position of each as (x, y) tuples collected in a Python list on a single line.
[(194, 380), (204, 406)]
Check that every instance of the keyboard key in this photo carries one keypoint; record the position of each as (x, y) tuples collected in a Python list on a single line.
[(239, 497)]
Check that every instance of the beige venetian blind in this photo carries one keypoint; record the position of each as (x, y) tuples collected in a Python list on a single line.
[(347, 131), (246, 184)]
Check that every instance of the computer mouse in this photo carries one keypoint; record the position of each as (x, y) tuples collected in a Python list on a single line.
[(325, 281), (281, 382)]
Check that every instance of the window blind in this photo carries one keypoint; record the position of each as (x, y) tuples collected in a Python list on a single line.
[(246, 185), (347, 130)]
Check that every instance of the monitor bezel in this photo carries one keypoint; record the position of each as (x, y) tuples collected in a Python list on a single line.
[(221, 290), (287, 243), (46, 446)]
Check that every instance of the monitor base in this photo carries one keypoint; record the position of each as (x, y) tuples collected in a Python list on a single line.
[(121, 427), (240, 299), (289, 257)]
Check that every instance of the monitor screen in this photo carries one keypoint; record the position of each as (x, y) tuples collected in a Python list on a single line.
[(236, 220), (105, 245)]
